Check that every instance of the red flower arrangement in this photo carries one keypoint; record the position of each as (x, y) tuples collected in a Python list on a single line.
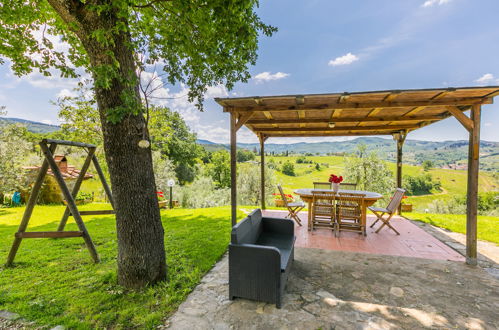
[(335, 179), (288, 197)]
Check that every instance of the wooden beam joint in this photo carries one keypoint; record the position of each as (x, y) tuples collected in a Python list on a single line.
[(461, 117)]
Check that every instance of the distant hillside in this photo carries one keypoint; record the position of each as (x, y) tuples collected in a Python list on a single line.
[(415, 151), (442, 154), (32, 126)]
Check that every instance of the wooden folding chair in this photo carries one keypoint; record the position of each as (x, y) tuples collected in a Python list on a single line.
[(389, 210), (293, 208), (349, 209), (323, 213), (322, 185), (348, 186)]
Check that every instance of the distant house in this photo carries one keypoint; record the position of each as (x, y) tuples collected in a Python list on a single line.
[(455, 167), (50, 192)]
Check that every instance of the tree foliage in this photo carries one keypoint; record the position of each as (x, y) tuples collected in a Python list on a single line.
[(13, 150), (421, 184), (288, 168), (244, 155), (368, 171), (219, 169), (196, 43)]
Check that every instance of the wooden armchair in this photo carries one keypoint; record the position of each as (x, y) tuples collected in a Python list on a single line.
[(348, 186), (323, 213), (349, 208), (293, 208), (322, 185), (389, 211)]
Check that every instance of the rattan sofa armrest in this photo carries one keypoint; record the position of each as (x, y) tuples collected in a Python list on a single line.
[(255, 258)]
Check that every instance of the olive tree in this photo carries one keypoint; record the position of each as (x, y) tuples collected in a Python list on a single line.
[(198, 43)]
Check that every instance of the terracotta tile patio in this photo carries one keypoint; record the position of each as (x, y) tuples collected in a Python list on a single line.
[(412, 242)]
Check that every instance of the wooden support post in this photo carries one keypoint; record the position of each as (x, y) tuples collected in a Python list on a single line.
[(472, 194), (400, 144), (48, 147), (233, 168), (103, 180), (77, 186), (29, 207), (70, 200), (262, 169)]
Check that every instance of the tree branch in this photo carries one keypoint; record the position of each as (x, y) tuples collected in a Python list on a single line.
[(147, 5)]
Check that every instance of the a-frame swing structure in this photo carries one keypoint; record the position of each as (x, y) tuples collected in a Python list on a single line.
[(48, 147)]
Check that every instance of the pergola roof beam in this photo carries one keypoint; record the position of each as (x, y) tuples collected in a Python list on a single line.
[(345, 120), (335, 129), (368, 105)]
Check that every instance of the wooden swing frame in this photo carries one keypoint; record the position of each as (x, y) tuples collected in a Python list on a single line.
[(48, 147)]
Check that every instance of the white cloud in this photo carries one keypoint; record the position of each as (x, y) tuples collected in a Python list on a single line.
[(66, 93), (46, 121), (487, 124), (267, 76), (487, 79), (344, 60), (216, 91), (430, 3)]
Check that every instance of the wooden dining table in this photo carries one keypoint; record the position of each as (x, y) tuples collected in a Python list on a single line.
[(369, 199)]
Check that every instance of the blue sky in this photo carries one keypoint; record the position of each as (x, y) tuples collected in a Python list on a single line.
[(333, 46)]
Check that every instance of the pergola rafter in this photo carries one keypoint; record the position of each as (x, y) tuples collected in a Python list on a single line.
[(391, 112)]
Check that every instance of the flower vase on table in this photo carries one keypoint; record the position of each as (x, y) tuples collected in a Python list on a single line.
[(335, 182)]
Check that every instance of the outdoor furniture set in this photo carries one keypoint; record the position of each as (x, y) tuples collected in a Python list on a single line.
[(261, 251)]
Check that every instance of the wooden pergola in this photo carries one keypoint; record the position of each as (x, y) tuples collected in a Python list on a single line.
[(392, 112)]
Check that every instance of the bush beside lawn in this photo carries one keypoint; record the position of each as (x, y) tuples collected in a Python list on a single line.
[(488, 227), (55, 282)]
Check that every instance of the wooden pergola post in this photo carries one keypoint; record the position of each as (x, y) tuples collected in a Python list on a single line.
[(262, 139), (236, 122), (472, 194), (233, 168), (400, 138)]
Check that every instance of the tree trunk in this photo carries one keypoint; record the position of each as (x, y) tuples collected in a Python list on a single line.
[(141, 253)]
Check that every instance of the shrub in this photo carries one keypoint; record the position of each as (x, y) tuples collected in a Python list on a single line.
[(420, 185), (288, 168), (248, 185), (202, 193)]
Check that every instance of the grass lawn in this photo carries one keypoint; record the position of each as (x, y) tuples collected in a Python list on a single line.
[(488, 227), (55, 282)]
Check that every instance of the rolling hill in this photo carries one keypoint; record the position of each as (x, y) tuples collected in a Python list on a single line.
[(441, 154)]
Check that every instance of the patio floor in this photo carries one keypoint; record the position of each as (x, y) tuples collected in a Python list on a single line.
[(412, 241), (346, 290)]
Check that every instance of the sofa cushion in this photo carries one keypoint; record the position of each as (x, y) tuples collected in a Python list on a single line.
[(282, 242), (256, 221), (242, 232)]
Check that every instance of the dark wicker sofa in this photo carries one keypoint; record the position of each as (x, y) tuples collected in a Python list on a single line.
[(261, 253)]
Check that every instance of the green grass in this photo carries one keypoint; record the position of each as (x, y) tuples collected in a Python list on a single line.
[(55, 282), (488, 227)]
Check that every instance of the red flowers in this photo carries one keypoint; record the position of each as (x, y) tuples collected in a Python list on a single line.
[(288, 197), (160, 194), (335, 179)]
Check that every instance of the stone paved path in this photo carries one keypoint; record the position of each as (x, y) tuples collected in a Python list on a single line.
[(488, 252), (346, 290)]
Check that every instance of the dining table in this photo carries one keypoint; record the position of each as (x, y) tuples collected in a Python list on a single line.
[(370, 198)]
